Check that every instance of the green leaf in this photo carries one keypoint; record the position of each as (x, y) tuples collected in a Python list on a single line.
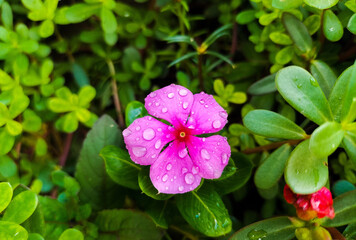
[(245, 16), (267, 19), (127, 224), (349, 142), (271, 169), (35, 236), (71, 234), (86, 95), (332, 27), (68, 123), (304, 173), (6, 15), (18, 105), (13, 127), (218, 33), (6, 195), (108, 20), (351, 25), (21, 207), (221, 57), (342, 186), (147, 187), (205, 211), (12, 231), (238, 98), (46, 28), (342, 94), (96, 186), (158, 213), (182, 58), (182, 38), (219, 87), (321, 4), (270, 124), (285, 55), (298, 32), (133, 111), (6, 141), (324, 76), (120, 167), (269, 229), (241, 176), (326, 139), (59, 105), (32, 122), (80, 76), (312, 23), (8, 167), (282, 4), (280, 38), (302, 91), (80, 12), (345, 210), (264, 86)]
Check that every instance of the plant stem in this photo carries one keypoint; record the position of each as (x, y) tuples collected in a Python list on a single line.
[(335, 234), (200, 71), (115, 94), (185, 233), (272, 146), (64, 155), (233, 41)]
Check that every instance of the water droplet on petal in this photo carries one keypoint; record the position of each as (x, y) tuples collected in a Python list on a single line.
[(157, 104), (223, 114), (216, 124), (201, 101), (139, 151), (183, 92), (185, 105), (149, 118), (138, 128), (203, 139), (169, 166), (164, 110), (126, 132), (153, 156), (195, 170), (181, 188), (189, 178), (205, 154), (165, 178), (206, 105), (170, 95), (158, 144), (184, 170), (148, 134), (168, 135), (224, 158), (150, 104), (183, 153), (152, 94), (159, 129)]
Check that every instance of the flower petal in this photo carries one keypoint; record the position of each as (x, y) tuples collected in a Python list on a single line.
[(207, 116), (171, 103), (174, 172), (210, 154), (145, 138)]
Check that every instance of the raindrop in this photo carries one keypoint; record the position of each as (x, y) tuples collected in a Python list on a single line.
[(159, 129), (206, 105), (149, 118), (158, 144), (224, 158), (183, 153), (150, 104), (153, 156), (169, 166), (157, 104), (148, 134), (195, 170), (197, 215), (331, 29), (201, 101), (183, 92), (189, 178), (168, 135), (138, 128), (185, 105), (126, 132), (203, 139), (184, 170), (137, 139), (256, 234), (181, 188), (139, 151), (299, 85), (165, 178), (216, 124), (205, 154), (164, 110), (314, 82), (170, 95), (223, 114), (153, 94)]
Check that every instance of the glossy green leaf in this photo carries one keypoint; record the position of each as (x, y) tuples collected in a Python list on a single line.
[(8, 167), (120, 167), (326, 139), (12, 231), (182, 38), (6, 141), (182, 58), (69, 123), (18, 105), (46, 28), (304, 172), (298, 32), (285, 55), (349, 142), (351, 25), (221, 57), (134, 110), (6, 15), (147, 187), (127, 224), (21, 207), (321, 4), (269, 229), (312, 23), (342, 186), (264, 86), (280, 38), (71, 234), (302, 91), (282, 4), (332, 27), (108, 20), (245, 16), (59, 105), (96, 186), (345, 210), (80, 12), (343, 93), (205, 211), (80, 76), (324, 75), (35, 236), (268, 18), (6, 195), (271, 169), (218, 33), (270, 124), (13, 127), (32, 122), (158, 212)]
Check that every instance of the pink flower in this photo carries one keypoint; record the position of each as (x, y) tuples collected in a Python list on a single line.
[(318, 204), (187, 158)]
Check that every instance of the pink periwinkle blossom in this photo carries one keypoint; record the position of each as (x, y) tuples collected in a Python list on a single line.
[(187, 157)]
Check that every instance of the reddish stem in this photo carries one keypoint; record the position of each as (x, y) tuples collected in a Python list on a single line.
[(67, 144)]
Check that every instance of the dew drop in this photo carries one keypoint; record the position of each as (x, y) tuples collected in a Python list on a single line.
[(152, 94), (203, 139), (165, 178), (158, 144), (138, 128), (168, 135), (223, 114), (149, 118), (206, 105), (216, 124), (139, 151), (126, 132), (157, 104), (195, 170), (170, 95), (224, 158), (201, 101), (205, 154), (183, 92), (314, 82), (183, 153), (331, 29), (148, 134), (180, 188), (169, 166), (164, 110), (189, 178), (184, 170), (159, 129), (153, 156), (150, 104), (137, 139), (185, 105)]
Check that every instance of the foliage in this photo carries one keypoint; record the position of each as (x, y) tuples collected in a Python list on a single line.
[(74, 75)]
